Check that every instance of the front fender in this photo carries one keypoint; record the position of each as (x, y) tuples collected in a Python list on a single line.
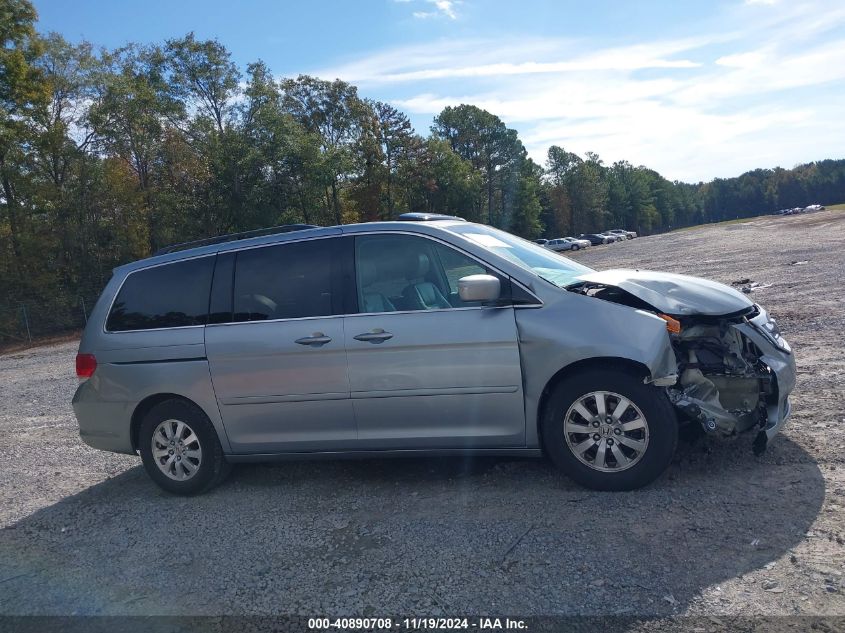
[(572, 328)]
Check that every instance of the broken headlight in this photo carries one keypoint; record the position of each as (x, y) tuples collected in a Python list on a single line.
[(772, 332)]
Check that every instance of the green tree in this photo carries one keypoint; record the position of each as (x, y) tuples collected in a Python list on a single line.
[(560, 166), (21, 86), (440, 181), (284, 156), (396, 137), (483, 139), (203, 77), (333, 110), (200, 84), (58, 142), (367, 188), (19, 47), (127, 116), (580, 188), (527, 209)]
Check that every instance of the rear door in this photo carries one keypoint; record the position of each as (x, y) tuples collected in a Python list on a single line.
[(276, 348), (427, 370)]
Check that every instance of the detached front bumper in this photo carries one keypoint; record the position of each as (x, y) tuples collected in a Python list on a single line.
[(782, 363)]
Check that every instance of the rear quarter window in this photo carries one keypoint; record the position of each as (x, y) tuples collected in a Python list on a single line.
[(169, 295)]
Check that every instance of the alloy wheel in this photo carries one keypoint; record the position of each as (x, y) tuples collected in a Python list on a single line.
[(176, 450), (606, 431)]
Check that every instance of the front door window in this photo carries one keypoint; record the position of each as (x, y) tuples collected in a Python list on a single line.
[(407, 273)]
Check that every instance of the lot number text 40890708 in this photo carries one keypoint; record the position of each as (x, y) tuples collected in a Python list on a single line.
[(418, 624)]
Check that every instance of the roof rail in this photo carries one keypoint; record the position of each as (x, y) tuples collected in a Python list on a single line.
[(221, 239), (427, 217)]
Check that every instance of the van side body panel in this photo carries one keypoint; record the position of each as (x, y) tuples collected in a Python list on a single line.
[(132, 366), (104, 404)]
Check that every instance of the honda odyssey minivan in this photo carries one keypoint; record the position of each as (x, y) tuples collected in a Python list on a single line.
[(428, 336)]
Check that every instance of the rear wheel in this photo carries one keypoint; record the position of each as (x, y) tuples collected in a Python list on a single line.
[(608, 430), (180, 448)]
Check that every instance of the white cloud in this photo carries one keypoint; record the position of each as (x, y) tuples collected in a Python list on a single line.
[(446, 7), (488, 58), (743, 60), (440, 8), (744, 92)]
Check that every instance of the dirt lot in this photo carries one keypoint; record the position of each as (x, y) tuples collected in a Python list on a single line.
[(723, 533)]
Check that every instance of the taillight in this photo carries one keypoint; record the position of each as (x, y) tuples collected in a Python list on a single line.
[(85, 365)]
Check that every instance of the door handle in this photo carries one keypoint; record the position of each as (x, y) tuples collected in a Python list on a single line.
[(315, 340), (376, 336)]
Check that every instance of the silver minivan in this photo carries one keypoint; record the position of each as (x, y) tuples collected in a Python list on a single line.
[(428, 336)]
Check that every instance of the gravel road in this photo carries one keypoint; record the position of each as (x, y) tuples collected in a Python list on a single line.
[(723, 533)]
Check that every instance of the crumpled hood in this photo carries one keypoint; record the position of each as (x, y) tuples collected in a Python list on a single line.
[(679, 295)]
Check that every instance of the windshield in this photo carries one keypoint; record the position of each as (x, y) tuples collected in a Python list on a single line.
[(542, 262)]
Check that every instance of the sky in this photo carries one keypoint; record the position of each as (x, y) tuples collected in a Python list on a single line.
[(695, 90)]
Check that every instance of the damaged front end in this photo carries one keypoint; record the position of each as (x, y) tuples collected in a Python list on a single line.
[(735, 371), (723, 383)]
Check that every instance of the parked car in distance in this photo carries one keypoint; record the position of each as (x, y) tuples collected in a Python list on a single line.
[(558, 244), (541, 241), (595, 238), (614, 237), (566, 244), (628, 234), (431, 337), (796, 210), (579, 243)]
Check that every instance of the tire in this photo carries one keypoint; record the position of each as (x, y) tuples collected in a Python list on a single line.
[(575, 247), (647, 440), (204, 465)]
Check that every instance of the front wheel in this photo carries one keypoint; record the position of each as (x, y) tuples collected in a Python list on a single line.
[(608, 430), (575, 247)]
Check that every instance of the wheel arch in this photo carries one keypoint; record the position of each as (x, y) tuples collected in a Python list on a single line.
[(145, 406), (603, 363)]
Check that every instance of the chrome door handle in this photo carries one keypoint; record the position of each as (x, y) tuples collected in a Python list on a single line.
[(315, 340), (376, 336)]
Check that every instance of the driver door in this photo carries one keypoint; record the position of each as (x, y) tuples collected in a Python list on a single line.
[(427, 370)]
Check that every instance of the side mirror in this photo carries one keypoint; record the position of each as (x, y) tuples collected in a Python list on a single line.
[(479, 288)]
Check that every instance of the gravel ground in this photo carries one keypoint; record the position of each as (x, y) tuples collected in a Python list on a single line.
[(723, 533)]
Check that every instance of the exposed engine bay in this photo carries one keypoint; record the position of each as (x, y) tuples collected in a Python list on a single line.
[(722, 381)]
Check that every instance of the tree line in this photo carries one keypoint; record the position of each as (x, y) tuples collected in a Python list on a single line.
[(108, 155)]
